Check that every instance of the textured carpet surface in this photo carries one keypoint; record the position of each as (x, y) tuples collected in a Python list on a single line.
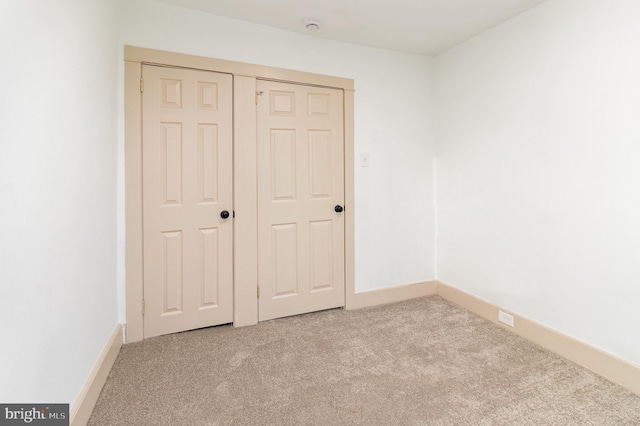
[(421, 362)]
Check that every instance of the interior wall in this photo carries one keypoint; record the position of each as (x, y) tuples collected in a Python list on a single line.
[(58, 303), (537, 169), (394, 214)]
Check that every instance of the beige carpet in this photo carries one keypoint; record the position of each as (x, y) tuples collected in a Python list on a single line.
[(422, 362)]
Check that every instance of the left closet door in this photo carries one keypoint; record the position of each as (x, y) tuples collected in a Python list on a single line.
[(187, 165)]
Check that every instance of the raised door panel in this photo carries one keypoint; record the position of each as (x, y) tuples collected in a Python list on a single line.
[(208, 163), (284, 255)]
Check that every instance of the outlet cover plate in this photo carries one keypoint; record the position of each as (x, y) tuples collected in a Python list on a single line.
[(505, 318)]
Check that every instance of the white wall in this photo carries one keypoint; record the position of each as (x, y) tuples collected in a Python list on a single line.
[(58, 302), (394, 214), (538, 146)]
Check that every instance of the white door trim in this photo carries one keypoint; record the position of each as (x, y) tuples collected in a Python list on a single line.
[(245, 195)]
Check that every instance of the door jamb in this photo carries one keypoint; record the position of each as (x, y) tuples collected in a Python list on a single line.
[(245, 310)]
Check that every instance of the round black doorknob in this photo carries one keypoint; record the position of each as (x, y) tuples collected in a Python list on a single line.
[(338, 209), (224, 214)]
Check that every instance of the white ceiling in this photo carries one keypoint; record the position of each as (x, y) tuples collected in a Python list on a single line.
[(418, 26)]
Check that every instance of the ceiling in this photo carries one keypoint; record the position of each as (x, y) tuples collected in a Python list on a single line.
[(418, 26)]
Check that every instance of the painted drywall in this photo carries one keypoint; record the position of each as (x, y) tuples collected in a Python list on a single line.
[(394, 213), (58, 303), (537, 169)]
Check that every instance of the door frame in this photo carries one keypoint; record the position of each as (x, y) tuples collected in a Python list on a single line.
[(245, 229)]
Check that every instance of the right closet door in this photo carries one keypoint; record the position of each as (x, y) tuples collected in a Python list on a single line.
[(300, 199)]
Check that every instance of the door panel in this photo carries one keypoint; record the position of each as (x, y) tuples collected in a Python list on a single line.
[(300, 181), (187, 182)]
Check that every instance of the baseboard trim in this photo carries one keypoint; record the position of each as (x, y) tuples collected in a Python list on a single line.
[(83, 407), (388, 295), (607, 365)]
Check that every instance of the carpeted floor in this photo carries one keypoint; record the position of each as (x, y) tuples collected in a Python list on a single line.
[(421, 362)]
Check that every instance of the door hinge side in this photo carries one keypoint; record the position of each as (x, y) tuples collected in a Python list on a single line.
[(142, 306), (258, 94), (141, 85), (258, 292)]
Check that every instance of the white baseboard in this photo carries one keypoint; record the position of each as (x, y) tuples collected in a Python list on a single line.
[(83, 407), (607, 365), (388, 295)]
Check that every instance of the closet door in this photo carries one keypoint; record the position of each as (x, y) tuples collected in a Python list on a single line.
[(187, 199), (300, 199)]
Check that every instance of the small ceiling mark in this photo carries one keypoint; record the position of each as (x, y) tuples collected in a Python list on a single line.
[(312, 24)]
